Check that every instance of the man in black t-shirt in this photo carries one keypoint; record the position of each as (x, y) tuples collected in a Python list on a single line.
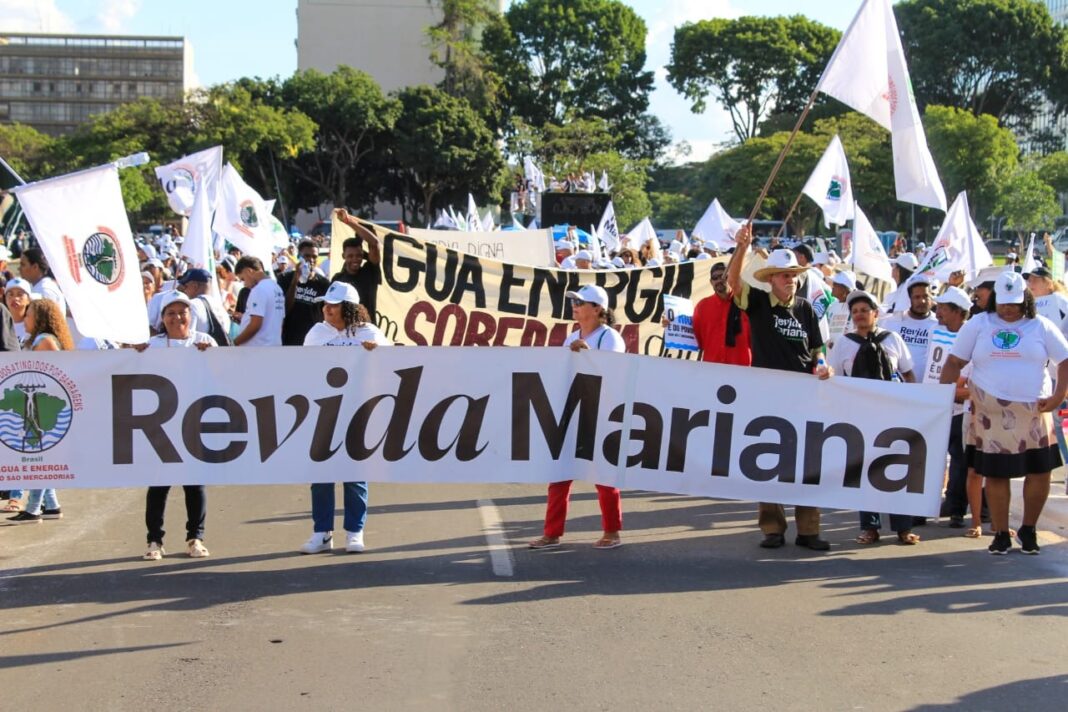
[(784, 335), (302, 286), (361, 269)]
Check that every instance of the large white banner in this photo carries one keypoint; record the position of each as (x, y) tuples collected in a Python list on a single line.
[(533, 248), (410, 414), (81, 224)]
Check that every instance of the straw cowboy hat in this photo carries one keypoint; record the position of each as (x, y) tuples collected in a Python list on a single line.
[(779, 261)]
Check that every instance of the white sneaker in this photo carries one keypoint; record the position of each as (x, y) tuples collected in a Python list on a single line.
[(155, 552), (354, 542), (320, 541)]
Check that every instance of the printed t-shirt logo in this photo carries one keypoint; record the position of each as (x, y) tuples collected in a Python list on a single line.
[(35, 412), (1006, 339)]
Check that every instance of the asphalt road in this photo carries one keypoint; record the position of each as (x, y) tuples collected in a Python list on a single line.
[(447, 610)]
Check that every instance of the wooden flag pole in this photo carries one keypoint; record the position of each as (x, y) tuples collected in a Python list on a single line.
[(782, 155)]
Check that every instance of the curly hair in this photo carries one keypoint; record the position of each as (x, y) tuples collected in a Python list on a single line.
[(354, 316), (1028, 306), (607, 316), (47, 319)]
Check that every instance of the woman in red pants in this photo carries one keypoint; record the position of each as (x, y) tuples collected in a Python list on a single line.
[(595, 319)]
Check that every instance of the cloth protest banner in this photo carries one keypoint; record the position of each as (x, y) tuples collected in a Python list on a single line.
[(717, 226), (242, 217), (678, 334), (173, 416), (830, 187), (433, 295), (519, 247), (183, 178), (608, 228), (869, 255), (958, 247), (868, 72), (81, 225)]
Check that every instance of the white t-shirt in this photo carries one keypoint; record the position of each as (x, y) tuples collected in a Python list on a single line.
[(941, 345), (49, 289), (322, 334), (1052, 306), (897, 301), (265, 300), (162, 341), (20, 331), (845, 350), (604, 338), (198, 315), (1009, 358), (916, 334)]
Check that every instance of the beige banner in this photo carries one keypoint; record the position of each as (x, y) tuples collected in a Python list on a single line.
[(518, 247)]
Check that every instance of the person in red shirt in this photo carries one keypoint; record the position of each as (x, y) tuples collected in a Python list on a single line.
[(720, 327)]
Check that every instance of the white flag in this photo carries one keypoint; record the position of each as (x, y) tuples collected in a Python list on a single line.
[(830, 186), (958, 247), (716, 225), (487, 223), (608, 228), (603, 183), (474, 222), (242, 217), (198, 245), (643, 233), (868, 72), (182, 179), (81, 224), (534, 175), (869, 256)]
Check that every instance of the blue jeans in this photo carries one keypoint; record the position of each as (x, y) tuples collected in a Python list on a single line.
[(48, 496), (898, 522), (355, 500), (17, 494)]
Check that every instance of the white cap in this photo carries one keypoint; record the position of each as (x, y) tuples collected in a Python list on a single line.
[(861, 294), (170, 298), (702, 256), (821, 258), (955, 296), (845, 279), (618, 263), (1009, 288), (24, 285), (563, 245), (675, 246), (153, 262), (907, 260), (1010, 255), (340, 292), (987, 274), (919, 278), (653, 263), (583, 255), (590, 293)]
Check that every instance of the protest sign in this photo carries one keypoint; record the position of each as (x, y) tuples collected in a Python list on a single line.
[(173, 416), (518, 247), (436, 296), (678, 334)]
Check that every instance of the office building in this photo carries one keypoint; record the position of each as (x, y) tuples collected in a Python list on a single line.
[(54, 83)]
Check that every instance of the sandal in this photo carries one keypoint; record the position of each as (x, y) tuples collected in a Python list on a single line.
[(973, 532), (196, 549), (545, 542), (155, 552), (606, 542), (908, 538), (13, 505), (868, 536)]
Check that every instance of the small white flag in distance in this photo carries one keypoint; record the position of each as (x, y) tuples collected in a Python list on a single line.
[(182, 179), (830, 187)]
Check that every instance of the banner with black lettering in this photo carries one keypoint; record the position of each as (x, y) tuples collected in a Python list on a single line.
[(534, 415), (436, 296)]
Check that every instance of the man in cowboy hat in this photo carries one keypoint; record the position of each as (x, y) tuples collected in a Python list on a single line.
[(784, 335)]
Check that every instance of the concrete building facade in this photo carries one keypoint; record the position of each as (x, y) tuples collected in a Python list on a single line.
[(54, 83)]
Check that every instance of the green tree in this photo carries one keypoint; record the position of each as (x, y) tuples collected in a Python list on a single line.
[(1028, 203), (441, 150), (456, 47), (1053, 169), (28, 151), (354, 120), (972, 153), (563, 60), (752, 65), (998, 57)]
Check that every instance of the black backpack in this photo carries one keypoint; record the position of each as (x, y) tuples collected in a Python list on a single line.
[(871, 360)]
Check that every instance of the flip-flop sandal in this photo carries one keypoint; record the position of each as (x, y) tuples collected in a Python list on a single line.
[(604, 544), (868, 537), (13, 505), (973, 532), (908, 539), (544, 543)]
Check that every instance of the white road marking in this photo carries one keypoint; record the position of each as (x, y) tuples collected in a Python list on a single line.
[(500, 553)]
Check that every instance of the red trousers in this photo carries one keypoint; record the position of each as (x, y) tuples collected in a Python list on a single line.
[(560, 495)]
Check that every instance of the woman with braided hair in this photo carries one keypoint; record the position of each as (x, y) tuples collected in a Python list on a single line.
[(344, 324)]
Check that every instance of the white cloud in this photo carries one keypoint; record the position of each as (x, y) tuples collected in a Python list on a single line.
[(33, 16), (113, 15)]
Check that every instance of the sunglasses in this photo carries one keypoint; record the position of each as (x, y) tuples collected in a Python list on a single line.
[(577, 302)]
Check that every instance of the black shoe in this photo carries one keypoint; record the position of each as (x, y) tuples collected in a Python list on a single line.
[(1028, 540), (1002, 544), (25, 518), (56, 513), (773, 541), (812, 541), (956, 521)]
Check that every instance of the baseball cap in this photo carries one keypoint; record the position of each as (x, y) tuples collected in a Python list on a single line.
[(907, 260), (845, 279), (592, 294), (195, 275), (1040, 271), (339, 292), (583, 255), (987, 275), (861, 295), (955, 296), (1009, 288), (172, 297)]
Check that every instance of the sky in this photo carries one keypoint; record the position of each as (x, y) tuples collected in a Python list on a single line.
[(239, 38)]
